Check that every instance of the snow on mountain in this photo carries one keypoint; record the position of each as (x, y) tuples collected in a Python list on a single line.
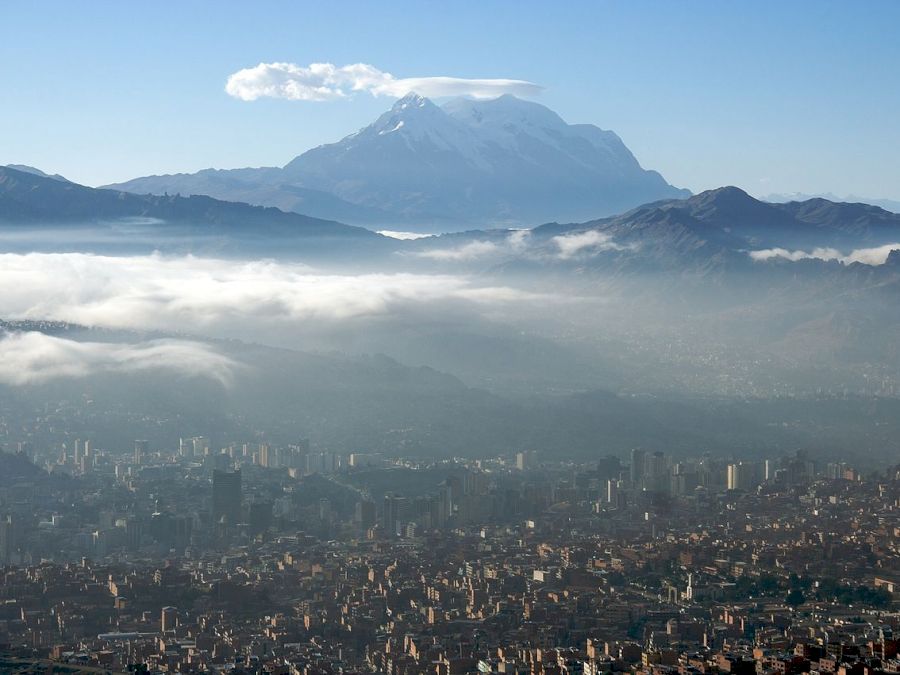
[(467, 163)]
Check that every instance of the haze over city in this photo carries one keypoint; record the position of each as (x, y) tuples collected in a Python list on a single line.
[(485, 338)]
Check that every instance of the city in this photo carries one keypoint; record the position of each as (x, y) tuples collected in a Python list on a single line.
[(450, 338), (290, 560)]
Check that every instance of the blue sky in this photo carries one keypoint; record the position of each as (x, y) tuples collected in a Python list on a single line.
[(771, 96)]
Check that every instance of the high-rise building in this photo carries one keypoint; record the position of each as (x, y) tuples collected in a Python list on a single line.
[(476, 483), (733, 476), (394, 512), (141, 450), (265, 456), (365, 513), (322, 462), (742, 476), (200, 446), (7, 539), (612, 491), (226, 496), (169, 618), (656, 472), (638, 461), (444, 505), (525, 460)]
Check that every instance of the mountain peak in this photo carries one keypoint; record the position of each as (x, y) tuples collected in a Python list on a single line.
[(737, 212), (411, 100), (728, 200), (725, 193)]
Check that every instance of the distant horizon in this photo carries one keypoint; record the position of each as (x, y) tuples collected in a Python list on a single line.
[(775, 198)]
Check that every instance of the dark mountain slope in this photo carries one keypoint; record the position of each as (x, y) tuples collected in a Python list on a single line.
[(27, 198)]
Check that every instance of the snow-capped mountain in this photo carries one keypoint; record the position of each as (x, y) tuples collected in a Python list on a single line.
[(467, 163)]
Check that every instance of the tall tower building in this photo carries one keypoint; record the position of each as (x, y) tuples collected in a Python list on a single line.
[(638, 467), (226, 496), (7, 544), (612, 491), (656, 472), (394, 511), (734, 476), (141, 449), (742, 476), (201, 446)]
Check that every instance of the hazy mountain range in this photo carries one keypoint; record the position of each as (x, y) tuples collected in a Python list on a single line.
[(725, 226), (502, 162), (374, 403), (716, 321), (718, 229), (887, 204), (31, 196), (76, 217)]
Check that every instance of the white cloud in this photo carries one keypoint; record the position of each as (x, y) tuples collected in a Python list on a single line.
[(32, 357), (794, 256), (192, 295), (872, 256), (325, 82), (519, 239), (590, 241), (516, 241), (470, 251), (867, 256)]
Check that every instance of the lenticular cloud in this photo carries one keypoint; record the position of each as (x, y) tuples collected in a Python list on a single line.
[(326, 82)]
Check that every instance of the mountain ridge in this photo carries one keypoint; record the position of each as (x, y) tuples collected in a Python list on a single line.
[(705, 234), (702, 234), (27, 197)]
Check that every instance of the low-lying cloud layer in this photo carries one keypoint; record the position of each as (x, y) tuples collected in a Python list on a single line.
[(326, 82), (204, 295), (273, 303), (469, 251), (867, 256), (34, 358), (517, 241), (588, 242), (520, 242)]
